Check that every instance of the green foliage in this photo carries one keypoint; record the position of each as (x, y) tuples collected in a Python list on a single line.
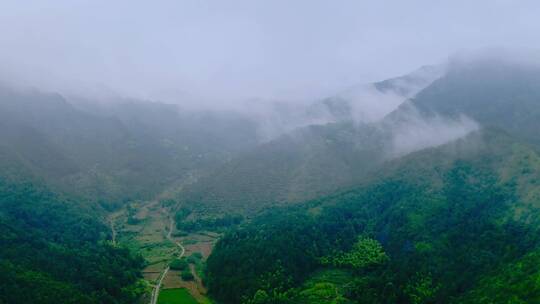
[(254, 258), (52, 248), (322, 293), (167, 203), (176, 296), (194, 258), (326, 285), (179, 264), (182, 214), (187, 275), (515, 282), (435, 224), (421, 289), (365, 252), (260, 297), (273, 297), (180, 234)]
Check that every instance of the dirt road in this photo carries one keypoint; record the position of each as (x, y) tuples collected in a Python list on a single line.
[(157, 288)]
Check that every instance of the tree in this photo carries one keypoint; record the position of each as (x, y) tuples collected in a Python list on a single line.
[(364, 253), (186, 275), (179, 264)]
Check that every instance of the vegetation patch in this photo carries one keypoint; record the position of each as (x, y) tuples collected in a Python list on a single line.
[(176, 296), (434, 229), (187, 275), (211, 223), (179, 264)]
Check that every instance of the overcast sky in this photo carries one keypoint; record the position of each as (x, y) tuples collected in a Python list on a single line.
[(227, 49)]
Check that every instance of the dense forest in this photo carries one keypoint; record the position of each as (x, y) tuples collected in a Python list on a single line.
[(446, 225), (54, 250)]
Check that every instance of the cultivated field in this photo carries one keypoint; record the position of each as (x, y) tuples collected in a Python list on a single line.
[(144, 227), (176, 296)]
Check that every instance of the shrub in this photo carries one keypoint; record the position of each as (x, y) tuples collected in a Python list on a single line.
[(194, 258), (179, 264), (186, 275)]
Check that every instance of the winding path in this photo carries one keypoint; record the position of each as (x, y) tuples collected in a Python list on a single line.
[(113, 232), (157, 288), (112, 223)]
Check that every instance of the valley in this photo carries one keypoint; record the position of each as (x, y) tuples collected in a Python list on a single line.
[(148, 228)]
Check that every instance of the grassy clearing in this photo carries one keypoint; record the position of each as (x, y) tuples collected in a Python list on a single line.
[(176, 296)]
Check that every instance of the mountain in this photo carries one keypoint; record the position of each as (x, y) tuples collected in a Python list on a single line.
[(447, 213), (64, 165), (369, 103), (315, 160), (130, 150), (441, 225), (320, 159), (297, 166), (493, 92)]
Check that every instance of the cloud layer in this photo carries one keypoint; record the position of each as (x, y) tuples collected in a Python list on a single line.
[(220, 52)]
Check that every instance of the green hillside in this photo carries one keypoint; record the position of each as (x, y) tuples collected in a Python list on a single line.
[(54, 250), (449, 220)]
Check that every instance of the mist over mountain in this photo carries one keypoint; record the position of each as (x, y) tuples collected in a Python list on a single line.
[(321, 158)]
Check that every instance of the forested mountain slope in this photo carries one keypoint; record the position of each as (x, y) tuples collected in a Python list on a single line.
[(312, 160), (495, 93), (131, 150), (321, 159), (437, 226), (297, 166), (54, 250)]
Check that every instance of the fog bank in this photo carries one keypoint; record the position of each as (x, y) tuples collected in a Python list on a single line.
[(218, 53)]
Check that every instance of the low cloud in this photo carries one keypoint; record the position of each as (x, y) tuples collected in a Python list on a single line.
[(417, 132), (368, 104)]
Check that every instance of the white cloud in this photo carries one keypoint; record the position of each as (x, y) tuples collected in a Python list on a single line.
[(415, 132)]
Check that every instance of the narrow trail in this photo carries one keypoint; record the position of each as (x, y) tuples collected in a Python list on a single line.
[(157, 288), (169, 237), (155, 291), (112, 224), (113, 232)]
